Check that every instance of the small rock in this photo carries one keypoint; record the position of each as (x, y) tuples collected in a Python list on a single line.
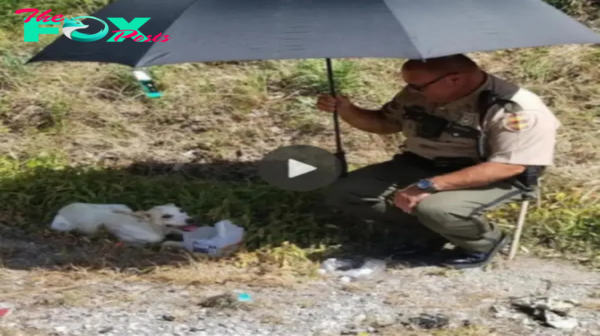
[(500, 311), (167, 317), (61, 329), (562, 307), (550, 311), (539, 304), (336, 307), (358, 319), (105, 330), (560, 322), (427, 321), (381, 321)]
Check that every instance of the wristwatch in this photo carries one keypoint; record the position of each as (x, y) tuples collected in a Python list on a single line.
[(426, 185)]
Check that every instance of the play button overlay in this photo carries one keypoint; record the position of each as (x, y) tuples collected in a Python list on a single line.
[(297, 168), (300, 168)]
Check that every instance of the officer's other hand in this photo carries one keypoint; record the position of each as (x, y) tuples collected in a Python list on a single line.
[(328, 103), (408, 198)]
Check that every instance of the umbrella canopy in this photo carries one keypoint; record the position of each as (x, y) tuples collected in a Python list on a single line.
[(224, 30), (227, 30)]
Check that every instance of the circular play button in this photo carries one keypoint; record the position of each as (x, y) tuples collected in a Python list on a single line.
[(300, 168)]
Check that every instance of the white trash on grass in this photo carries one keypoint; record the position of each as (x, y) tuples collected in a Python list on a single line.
[(222, 239)]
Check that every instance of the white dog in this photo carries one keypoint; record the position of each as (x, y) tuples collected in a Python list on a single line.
[(139, 227)]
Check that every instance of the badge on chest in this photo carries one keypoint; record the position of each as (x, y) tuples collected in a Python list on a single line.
[(467, 119)]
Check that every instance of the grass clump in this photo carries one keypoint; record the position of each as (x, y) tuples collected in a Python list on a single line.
[(310, 77), (567, 223)]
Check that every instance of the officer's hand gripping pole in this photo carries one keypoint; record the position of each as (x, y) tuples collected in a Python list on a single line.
[(341, 156)]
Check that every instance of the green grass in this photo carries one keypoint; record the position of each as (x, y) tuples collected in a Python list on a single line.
[(567, 222), (73, 132), (32, 191)]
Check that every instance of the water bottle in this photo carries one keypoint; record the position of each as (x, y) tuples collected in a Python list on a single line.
[(351, 269), (335, 264), (145, 80), (369, 268)]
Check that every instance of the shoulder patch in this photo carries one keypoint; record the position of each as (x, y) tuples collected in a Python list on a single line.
[(518, 121)]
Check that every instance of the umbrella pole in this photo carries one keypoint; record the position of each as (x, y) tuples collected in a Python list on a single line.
[(336, 122)]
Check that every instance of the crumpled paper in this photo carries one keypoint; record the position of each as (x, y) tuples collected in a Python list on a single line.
[(221, 240), (550, 311)]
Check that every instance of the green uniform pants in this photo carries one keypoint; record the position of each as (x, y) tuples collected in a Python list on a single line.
[(454, 216)]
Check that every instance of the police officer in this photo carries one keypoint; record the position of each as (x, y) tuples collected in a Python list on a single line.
[(472, 142)]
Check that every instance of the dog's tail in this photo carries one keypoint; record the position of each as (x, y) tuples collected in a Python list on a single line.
[(60, 223)]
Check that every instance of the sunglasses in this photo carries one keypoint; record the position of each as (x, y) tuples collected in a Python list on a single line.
[(422, 87)]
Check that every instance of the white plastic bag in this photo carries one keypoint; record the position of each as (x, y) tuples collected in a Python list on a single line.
[(222, 239)]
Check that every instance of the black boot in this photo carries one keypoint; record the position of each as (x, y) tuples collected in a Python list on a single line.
[(461, 258), (417, 249)]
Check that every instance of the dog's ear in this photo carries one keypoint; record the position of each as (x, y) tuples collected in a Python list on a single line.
[(137, 214), (142, 215)]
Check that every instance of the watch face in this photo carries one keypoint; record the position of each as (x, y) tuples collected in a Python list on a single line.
[(424, 184)]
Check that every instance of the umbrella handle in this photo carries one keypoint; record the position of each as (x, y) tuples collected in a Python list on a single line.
[(336, 122)]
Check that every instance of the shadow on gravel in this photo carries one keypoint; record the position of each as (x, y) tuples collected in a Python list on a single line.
[(210, 192)]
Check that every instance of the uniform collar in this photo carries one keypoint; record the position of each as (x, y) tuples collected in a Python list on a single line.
[(472, 97)]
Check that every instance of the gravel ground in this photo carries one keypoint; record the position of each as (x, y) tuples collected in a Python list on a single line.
[(43, 304), (382, 305)]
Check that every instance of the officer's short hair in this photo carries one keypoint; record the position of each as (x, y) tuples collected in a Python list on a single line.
[(457, 62)]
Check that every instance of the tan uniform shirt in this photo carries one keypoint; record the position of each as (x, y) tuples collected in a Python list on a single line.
[(527, 137)]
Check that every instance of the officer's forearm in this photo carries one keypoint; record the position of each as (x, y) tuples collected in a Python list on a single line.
[(477, 176), (371, 121)]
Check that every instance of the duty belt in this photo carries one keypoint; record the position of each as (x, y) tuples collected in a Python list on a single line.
[(440, 164), (525, 181)]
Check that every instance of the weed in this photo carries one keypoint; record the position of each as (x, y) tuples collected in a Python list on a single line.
[(12, 70), (310, 77)]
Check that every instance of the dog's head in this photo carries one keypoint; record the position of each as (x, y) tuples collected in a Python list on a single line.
[(60, 223), (168, 215)]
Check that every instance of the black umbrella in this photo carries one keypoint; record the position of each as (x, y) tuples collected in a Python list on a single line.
[(225, 30)]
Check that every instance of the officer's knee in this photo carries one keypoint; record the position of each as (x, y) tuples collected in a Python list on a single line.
[(336, 194), (429, 211), (345, 192)]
